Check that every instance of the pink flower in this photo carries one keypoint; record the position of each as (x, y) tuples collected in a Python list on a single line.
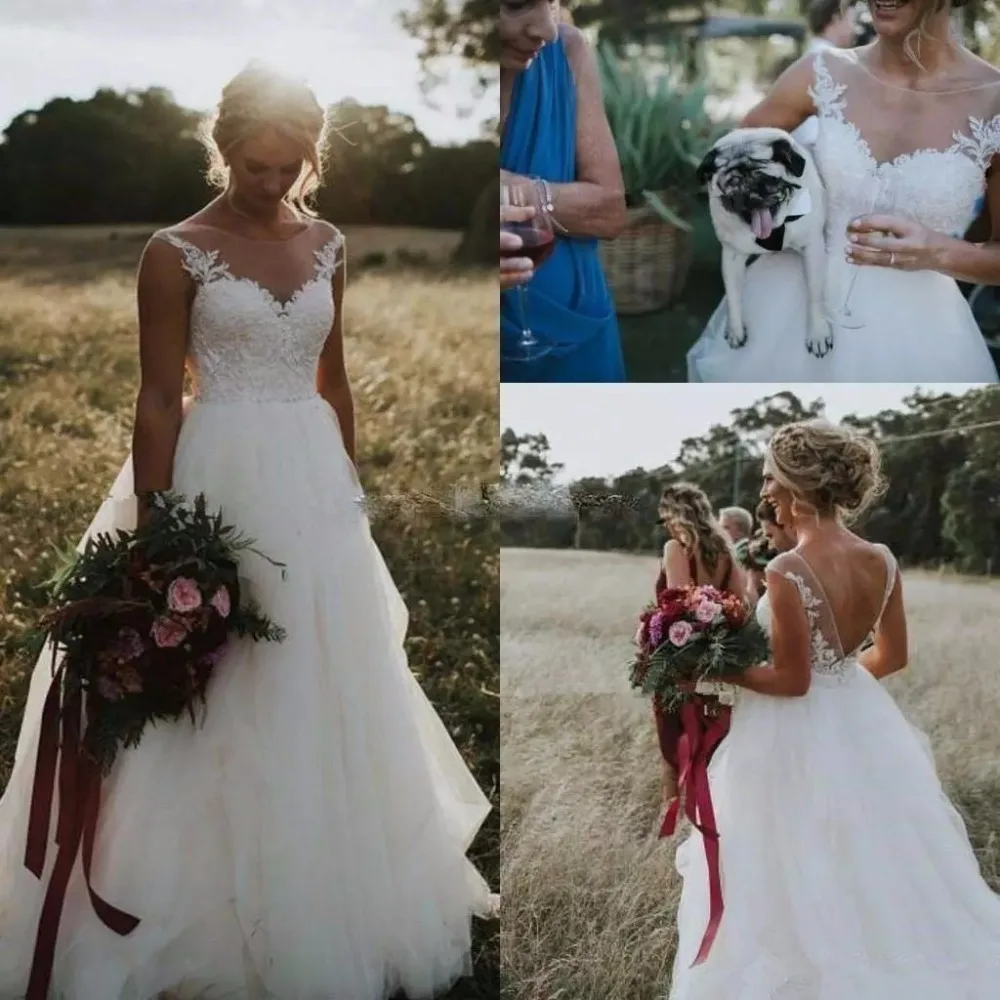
[(168, 633), (183, 595), (220, 601), (680, 633), (706, 611)]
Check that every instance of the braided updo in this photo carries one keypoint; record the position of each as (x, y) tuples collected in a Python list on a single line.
[(258, 98), (835, 471)]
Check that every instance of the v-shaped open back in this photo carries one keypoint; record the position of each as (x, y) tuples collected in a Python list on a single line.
[(828, 649)]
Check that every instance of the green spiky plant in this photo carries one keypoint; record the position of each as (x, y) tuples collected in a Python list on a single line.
[(661, 129)]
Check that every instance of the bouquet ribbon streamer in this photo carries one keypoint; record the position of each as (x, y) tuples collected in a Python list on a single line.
[(63, 759), (700, 735)]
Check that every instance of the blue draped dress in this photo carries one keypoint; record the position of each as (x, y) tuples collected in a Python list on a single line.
[(569, 306)]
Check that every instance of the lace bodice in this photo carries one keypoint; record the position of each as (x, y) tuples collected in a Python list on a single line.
[(939, 182), (246, 342), (829, 660)]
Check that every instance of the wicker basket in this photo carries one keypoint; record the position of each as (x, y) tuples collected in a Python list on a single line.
[(647, 266)]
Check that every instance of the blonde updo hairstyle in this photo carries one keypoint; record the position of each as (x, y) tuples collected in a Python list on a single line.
[(830, 471), (258, 98), (691, 520)]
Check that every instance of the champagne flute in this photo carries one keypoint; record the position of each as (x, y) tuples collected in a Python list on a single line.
[(538, 241), (846, 317)]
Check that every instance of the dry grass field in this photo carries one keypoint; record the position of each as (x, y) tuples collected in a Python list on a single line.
[(589, 893), (421, 348)]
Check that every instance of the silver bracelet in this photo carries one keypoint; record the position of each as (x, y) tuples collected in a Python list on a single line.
[(546, 189)]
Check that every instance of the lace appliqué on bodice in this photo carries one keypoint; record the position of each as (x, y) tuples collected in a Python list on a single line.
[(825, 658), (245, 343), (941, 188)]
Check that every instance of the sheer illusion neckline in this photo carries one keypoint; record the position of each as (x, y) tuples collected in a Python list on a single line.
[(855, 60), (309, 228)]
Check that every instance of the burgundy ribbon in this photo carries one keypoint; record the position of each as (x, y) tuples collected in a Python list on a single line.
[(699, 737), (79, 802)]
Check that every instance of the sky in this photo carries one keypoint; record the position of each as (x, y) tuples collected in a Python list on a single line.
[(344, 48), (606, 430)]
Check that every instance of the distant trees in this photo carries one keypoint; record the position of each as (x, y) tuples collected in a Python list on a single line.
[(942, 507), (135, 157)]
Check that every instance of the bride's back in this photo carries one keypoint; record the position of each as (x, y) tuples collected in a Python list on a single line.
[(845, 583)]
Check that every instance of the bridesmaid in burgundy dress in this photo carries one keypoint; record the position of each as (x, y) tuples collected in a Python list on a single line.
[(698, 552)]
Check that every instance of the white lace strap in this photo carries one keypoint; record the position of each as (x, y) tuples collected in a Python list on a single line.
[(330, 256), (890, 579), (203, 265), (984, 142), (827, 96)]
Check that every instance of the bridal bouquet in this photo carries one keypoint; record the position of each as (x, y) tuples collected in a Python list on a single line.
[(694, 635), (687, 642), (141, 619)]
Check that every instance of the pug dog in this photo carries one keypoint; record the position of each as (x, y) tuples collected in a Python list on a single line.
[(766, 196)]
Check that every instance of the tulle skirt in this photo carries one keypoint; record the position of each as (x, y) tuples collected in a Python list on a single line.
[(307, 841), (917, 328), (847, 873)]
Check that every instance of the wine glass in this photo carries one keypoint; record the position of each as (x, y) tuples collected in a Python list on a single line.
[(845, 316), (538, 241)]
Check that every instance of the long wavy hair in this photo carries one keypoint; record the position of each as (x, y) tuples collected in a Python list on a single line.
[(688, 515)]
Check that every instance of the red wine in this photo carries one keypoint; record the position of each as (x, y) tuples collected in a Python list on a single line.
[(538, 243)]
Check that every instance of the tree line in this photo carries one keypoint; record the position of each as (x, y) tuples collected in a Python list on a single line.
[(942, 507), (134, 157)]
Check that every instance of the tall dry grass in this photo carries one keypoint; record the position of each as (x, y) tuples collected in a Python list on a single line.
[(421, 354), (589, 893)]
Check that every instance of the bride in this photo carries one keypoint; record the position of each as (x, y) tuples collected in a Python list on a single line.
[(847, 872), (909, 129), (309, 840)]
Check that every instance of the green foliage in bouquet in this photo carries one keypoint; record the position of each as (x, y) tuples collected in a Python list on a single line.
[(710, 652), (138, 654), (662, 132)]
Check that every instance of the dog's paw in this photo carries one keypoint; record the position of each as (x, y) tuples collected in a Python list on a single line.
[(819, 340), (736, 337)]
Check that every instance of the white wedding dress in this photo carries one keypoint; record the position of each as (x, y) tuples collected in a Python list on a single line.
[(308, 842), (847, 874), (917, 326)]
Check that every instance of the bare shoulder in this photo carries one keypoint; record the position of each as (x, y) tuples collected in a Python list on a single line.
[(164, 247), (578, 49), (329, 232), (673, 548)]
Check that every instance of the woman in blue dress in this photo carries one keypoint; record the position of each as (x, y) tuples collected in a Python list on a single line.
[(556, 135)]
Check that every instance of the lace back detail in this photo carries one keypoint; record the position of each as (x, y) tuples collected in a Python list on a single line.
[(828, 96), (203, 265), (827, 654)]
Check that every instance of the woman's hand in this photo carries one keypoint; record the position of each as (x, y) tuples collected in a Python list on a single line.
[(514, 270), (891, 241)]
